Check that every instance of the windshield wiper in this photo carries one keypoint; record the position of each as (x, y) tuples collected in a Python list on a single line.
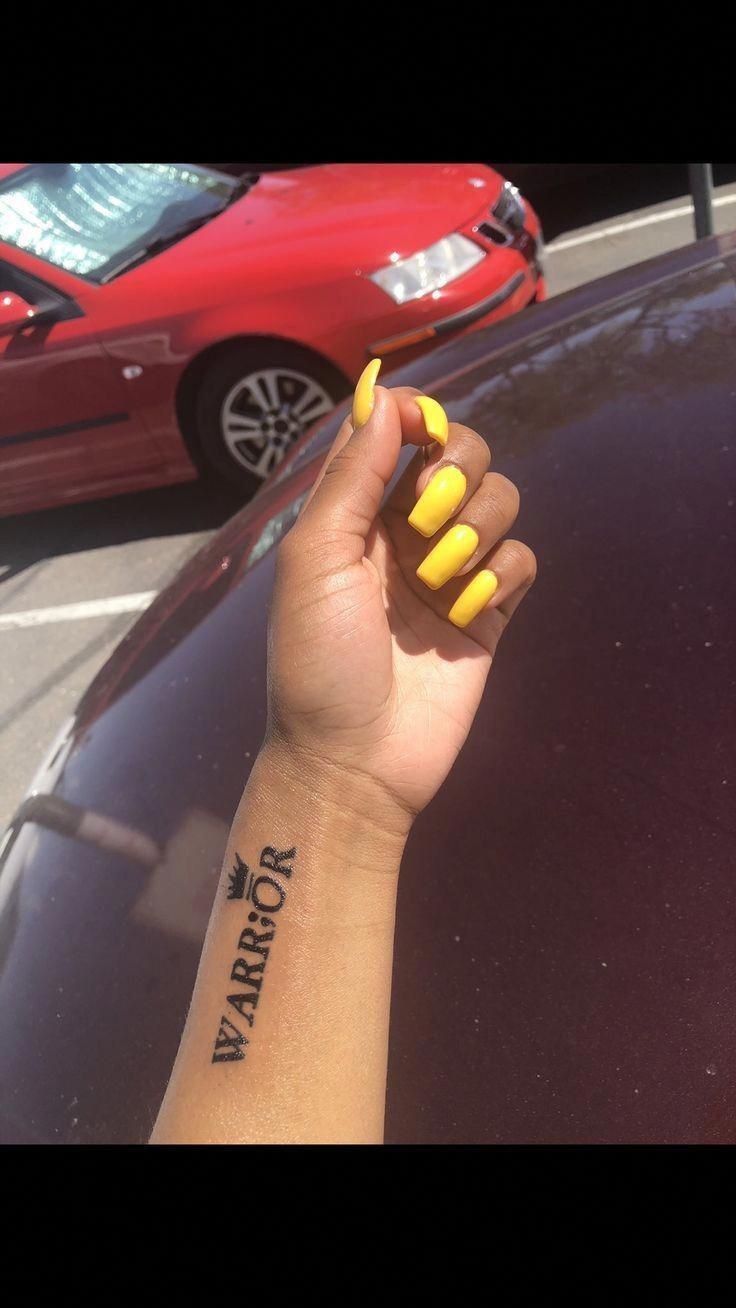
[(158, 244), (242, 185)]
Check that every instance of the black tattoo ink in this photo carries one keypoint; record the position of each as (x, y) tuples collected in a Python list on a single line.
[(228, 1037), (230, 1043), (249, 935), (243, 973), (260, 903), (238, 1002), (265, 921), (273, 860), (237, 879), (249, 999)]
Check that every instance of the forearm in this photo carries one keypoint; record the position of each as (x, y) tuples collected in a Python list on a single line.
[(287, 1034)]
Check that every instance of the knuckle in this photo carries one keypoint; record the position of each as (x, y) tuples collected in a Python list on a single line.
[(501, 497), (340, 465), (470, 445), (521, 561), (481, 450), (507, 492)]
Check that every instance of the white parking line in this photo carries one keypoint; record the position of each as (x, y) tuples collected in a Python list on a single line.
[(71, 612), (616, 230)]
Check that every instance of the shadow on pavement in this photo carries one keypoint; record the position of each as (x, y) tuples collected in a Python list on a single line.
[(172, 511)]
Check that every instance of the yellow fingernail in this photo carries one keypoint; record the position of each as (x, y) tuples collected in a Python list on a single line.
[(456, 547), (474, 598), (435, 418), (363, 397), (438, 501)]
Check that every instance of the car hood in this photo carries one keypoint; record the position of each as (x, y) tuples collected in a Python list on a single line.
[(377, 210), (564, 966)]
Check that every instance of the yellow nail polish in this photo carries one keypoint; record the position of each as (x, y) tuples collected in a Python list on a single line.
[(438, 501), (449, 554), (363, 397), (474, 598), (435, 418)]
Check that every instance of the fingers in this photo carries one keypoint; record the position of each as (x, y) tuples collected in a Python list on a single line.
[(441, 480), (347, 494), (490, 513), (351, 485), (471, 574), (413, 430), (481, 521), (498, 584), (465, 511)]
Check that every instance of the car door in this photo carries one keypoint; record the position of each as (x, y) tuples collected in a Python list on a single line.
[(65, 419)]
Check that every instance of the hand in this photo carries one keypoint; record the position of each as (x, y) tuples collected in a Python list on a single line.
[(371, 674)]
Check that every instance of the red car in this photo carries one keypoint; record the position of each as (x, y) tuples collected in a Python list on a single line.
[(158, 320)]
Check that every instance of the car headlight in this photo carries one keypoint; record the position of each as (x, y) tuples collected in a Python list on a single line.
[(409, 279)]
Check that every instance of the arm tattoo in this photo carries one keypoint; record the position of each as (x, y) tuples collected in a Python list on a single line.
[(267, 895)]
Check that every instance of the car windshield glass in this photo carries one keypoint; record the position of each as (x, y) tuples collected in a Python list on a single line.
[(87, 217)]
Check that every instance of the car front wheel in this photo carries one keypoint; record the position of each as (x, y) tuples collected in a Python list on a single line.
[(255, 402)]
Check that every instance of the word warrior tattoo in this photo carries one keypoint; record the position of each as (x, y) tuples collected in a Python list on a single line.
[(267, 895)]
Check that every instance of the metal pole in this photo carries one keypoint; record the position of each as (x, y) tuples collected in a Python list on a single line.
[(701, 186)]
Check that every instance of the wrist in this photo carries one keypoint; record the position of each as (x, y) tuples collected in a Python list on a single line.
[(357, 811), (347, 840)]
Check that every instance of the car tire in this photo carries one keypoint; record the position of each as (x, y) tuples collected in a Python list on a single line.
[(254, 402)]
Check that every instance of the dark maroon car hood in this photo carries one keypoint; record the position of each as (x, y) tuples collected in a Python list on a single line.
[(565, 964)]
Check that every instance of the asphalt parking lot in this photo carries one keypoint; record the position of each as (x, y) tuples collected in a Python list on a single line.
[(73, 580)]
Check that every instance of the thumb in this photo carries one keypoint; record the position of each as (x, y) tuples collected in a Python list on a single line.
[(353, 480)]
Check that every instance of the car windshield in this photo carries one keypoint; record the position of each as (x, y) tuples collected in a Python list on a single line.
[(90, 218)]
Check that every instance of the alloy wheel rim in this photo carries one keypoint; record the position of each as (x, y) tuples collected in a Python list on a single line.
[(266, 411)]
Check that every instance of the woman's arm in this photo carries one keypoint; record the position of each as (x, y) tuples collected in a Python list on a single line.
[(287, 1036), (372, 691)]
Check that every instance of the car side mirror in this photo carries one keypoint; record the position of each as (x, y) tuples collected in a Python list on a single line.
[(15, 313)]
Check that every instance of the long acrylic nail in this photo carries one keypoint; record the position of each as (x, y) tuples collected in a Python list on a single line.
[(448, 556), (364, 393), (474, 598), (438, 501), (435, 418)]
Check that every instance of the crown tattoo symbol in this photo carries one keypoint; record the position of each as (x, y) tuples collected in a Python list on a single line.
[(238, 878)]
